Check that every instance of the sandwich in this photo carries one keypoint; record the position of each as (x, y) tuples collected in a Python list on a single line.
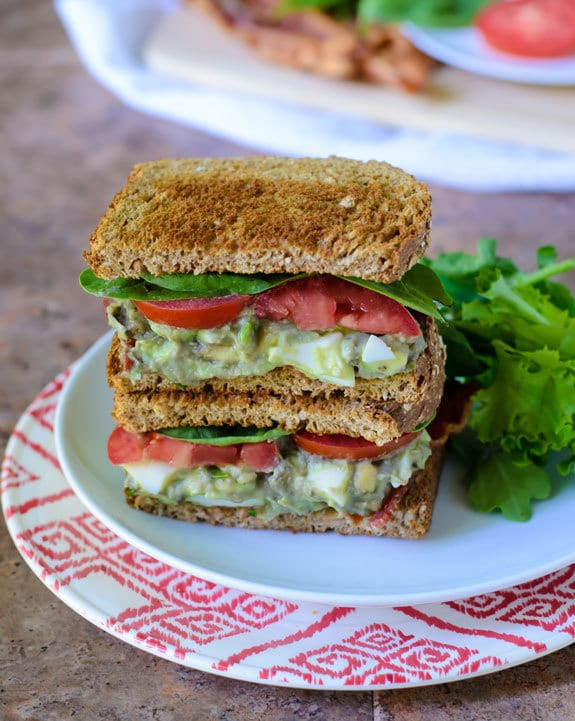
[(276, 359)]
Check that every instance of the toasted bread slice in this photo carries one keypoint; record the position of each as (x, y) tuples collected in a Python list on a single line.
[(377, 410), (264, 215)]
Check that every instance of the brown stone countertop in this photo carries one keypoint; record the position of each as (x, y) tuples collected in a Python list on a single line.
[(67, 145)]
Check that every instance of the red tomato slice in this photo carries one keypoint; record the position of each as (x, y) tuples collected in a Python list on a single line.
[(322, 302), (262, 456), (166, 450), (187, 455), (194, 312), (306, 302), (532, 28), (340, 446), (371, 312), (125, 447)]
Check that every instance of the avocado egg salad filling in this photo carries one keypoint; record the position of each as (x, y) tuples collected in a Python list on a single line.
[(190, 328), (254, 346), (234, 467)]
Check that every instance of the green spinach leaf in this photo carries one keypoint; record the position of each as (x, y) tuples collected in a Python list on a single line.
[(209, 285), (223, 435), (418, 289)]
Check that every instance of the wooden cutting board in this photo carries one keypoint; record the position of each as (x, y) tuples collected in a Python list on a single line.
[(193, 47)]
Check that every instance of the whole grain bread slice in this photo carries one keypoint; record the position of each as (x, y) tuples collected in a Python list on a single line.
[(406, 516), (377, 410), (264, 215)]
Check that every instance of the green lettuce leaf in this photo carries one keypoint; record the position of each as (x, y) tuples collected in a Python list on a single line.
[(223, 435), (520, 329), (512, 312), (566, 466), (499, 483), (546, 255), (530, 408), (458, 271), (180, 285), (429, 13), (463, 359)]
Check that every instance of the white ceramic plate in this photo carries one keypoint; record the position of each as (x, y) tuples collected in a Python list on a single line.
[(463, 48), (465, 552), (209, 627)]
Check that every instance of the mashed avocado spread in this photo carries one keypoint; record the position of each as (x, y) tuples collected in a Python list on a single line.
[(301, 483), (253, 346)]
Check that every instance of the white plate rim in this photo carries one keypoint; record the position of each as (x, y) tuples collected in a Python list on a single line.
[(470, 54)]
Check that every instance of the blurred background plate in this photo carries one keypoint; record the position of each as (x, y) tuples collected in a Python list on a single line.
[(188, 45), (463, 48)]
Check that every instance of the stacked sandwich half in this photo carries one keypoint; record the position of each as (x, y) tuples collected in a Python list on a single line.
[(276, 359)]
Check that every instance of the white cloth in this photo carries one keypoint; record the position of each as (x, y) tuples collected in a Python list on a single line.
[(109, 34)]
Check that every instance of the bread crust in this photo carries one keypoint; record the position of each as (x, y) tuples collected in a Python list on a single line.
[(264, 215), (377, 410)]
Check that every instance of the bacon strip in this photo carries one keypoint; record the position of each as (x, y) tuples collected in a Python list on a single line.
[(390, 506), (313, 40)]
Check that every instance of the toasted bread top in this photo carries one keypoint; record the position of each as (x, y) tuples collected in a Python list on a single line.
[(264, 215)]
